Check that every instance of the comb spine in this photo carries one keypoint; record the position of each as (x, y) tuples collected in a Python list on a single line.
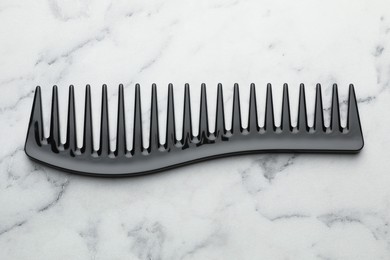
[(286, 115), (71, 138), (88, 132), (236, 113), (170, 140), (187, 121), (335, 111), (319, 112), (137, 127), (269, 122), (302, 114), (121, 146), (203, 115), (154, 140), (220, 128), (35, 129), (253, 125), (55, 139)]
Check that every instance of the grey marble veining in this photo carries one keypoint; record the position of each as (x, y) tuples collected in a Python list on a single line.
[(266, 206)]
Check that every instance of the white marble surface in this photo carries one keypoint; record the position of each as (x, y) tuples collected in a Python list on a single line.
[(250, 207)]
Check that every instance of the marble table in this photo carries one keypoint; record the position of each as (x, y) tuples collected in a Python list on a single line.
[(265, 206)]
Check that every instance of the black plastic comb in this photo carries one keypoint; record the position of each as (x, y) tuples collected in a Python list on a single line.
[(206, 145)]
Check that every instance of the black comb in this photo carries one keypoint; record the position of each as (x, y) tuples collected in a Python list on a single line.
[(206, 145)]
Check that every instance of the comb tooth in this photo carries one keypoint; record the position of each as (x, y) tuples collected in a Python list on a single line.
[(203, 115), (318, 114), (88, 134), (236, 114), (353, 114), (104, 128), (170, 139), (253, 125), (137, 133), (121, 148), (335, 114), (71, 139), (154, 140), (220, 128), (187, 125), (54, 121), (286, 117), (269, 123), (36, 119), (302, 115)]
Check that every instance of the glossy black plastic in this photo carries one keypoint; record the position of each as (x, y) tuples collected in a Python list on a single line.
[(173, 153)]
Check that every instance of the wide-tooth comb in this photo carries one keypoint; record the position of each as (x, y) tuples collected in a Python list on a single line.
[(189, 149)]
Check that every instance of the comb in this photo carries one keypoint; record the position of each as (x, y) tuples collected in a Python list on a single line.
[(190, 148)]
